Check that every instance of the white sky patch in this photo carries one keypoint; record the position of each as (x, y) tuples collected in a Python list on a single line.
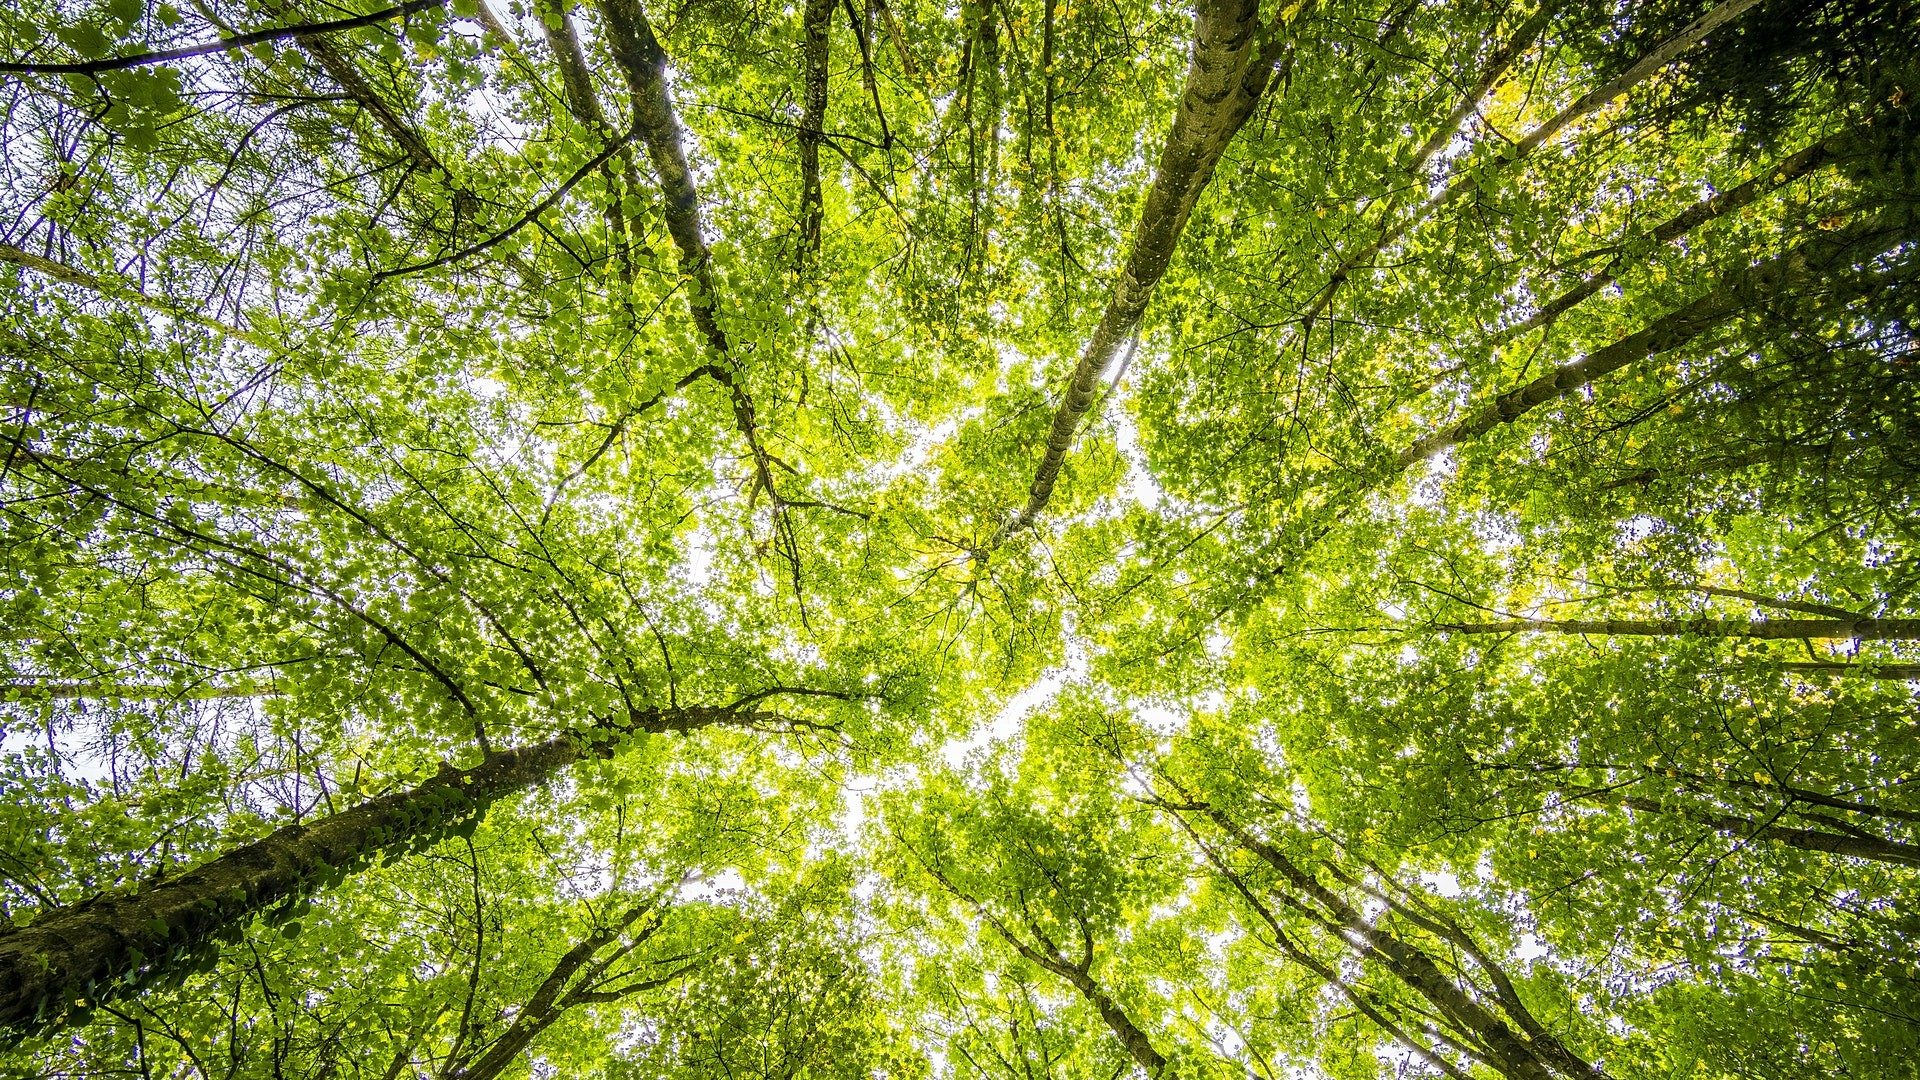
[(1443, 882), (484, 387), (921, 449), (853, 804), (1141, 485), (1010, 719), (1013, 715), (725, 887), (695, 567), (1160, 719)]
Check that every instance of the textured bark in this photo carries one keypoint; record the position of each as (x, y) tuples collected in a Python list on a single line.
[(1225, 79), (1469, 104), (814, 56), (576, 81), (1138, 1045), (1901, 672), (1135, 1040), (1813, 263), (574, 981), (66, 691), (70, 957), (1777, 629), (342, 70), (1871, 848), (644, 64)]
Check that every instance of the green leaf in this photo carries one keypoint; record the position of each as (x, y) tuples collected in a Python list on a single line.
[(88, 40)]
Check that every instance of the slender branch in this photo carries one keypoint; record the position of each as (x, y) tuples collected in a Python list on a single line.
[(226, 44), (60, 271), (525, 219)]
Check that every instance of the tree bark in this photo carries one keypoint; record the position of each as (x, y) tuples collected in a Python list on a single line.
[(573, 982), (1225, 79), (1871, 848), (814, 55), (1901, 672), (644, 64), (576, 81), (55, 968), (60, 271), (1593, 99), (1795, 166), (1754, 287), (1774, 629)]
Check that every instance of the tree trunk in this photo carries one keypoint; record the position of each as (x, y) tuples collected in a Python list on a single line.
[(1135, 1040), (644, 65), (576, 80), (1225, 79), (57, 966), (1506, 1050), (1533, 140), (814, 55), (1800, 164), (1778, 629), (1870, 848), (1903, 672), (571, 984), (1755, 287)]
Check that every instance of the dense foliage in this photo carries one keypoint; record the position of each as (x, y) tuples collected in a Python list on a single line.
[(1015, 539)]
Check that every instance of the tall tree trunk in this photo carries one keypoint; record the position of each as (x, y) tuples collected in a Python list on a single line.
[(1792, 168), (644, 65), (577, 979), (121, 290), (1589, 102), (576, 80), (1871, 848), (66, 959), (343, 71), (1814, 263), (1138, 1045), (1777, 629), (1225, 79), (814, 24)]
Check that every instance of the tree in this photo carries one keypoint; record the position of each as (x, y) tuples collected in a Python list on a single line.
[(1027, 539)]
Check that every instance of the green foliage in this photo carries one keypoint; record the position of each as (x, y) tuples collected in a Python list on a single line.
[(356, 428)]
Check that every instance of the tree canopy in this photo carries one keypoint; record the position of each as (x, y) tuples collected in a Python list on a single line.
[(1003, 540)]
